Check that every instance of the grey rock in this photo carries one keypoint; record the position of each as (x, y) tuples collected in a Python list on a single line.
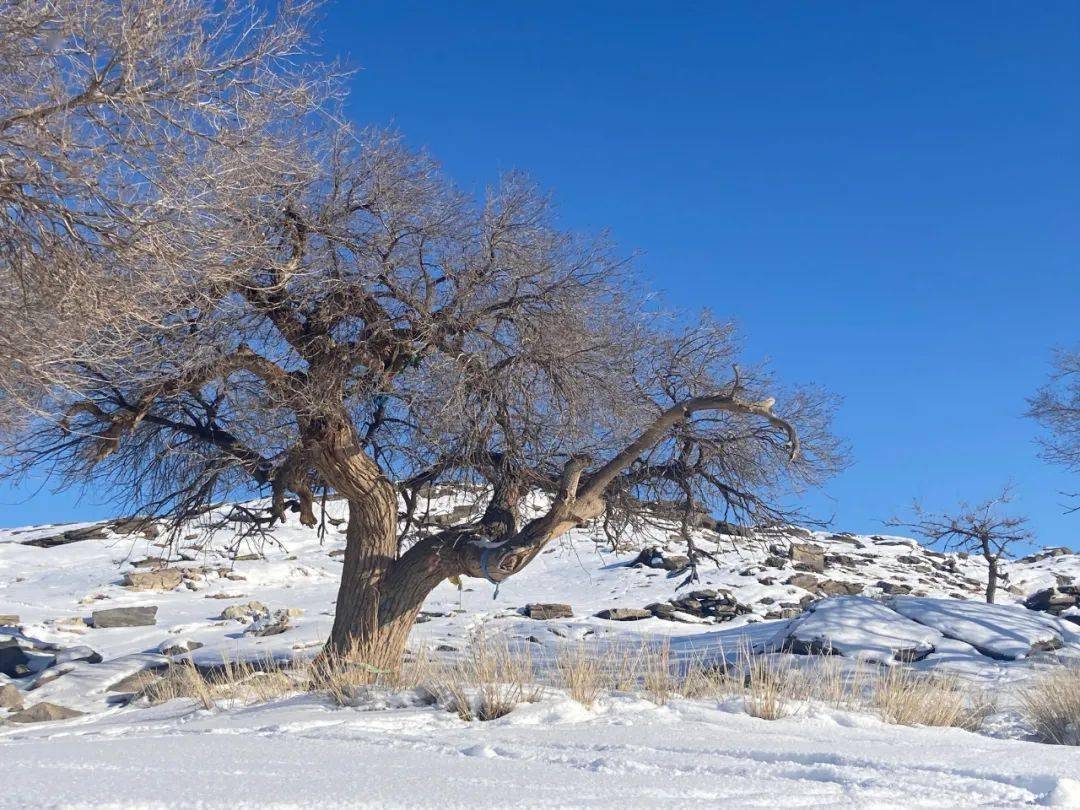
[(269, 624), (178, 646), (624, 614), (41, 712), (140, 616), (893, 588), (548, 610), (832, 587)]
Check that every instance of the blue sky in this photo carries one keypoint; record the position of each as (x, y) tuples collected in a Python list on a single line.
[(884, 196)]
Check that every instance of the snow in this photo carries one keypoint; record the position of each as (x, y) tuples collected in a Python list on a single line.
[(302, 752), (858, 627), (999, 631), (393, 750)]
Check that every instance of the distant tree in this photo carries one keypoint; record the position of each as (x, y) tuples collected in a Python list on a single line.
[(1056, 406), (263, 301), (979, 529)]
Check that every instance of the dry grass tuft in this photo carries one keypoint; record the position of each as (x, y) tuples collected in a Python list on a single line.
[(908, 698), (1052, 705), (489, 682)]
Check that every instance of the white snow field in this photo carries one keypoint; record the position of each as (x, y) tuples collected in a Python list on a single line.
[(626, 753), (791, 594)]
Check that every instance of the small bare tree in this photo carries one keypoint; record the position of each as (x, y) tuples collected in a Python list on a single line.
[(1056, 407), (979, 529), (268, 302)]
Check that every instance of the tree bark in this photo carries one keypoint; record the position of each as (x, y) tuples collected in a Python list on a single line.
[(991, 576)]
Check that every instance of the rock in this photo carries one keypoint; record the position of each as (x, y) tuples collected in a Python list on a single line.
[(41, 712), (833, 587), (548, 610), (655, 558), (70, 536), (9, 620), (13, 659), (805, 581), (178, 646), (893, 588), (164, 579), (269, 624), (1050, 600), (151, 562), (246, 612), (80, 653), (816, 646), (624, 614), (135, 682), (808, 557), (772, 561), (10, 697), (247, 557), (141, 616)]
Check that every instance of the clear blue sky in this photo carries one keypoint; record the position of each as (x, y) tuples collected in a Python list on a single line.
[(884, 196)]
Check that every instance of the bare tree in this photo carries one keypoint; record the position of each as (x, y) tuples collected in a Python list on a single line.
[(294, 309), (979, 529), (1056, 407)]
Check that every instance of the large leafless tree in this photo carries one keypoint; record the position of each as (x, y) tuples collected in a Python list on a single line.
[(211, 288)]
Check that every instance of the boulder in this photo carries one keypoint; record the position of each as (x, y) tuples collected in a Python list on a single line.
[(1050, 600), (41, 712), (13, 660), (140, 616), (135, 682), (178, 646), (10, 697), (893, 588), (656, 558), (548, 610), (267, 624), (805, 581), (833, 587), (164, 579), (9, 620), (808, 557), (246, 612), (772, 561), (624, 614)]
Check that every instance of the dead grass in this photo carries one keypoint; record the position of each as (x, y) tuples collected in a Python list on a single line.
[(494, 675), (908, 698), (492, 678), (1052, 705)]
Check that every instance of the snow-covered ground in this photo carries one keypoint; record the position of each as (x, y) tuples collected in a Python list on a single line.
[(875, 601), (625, 753)]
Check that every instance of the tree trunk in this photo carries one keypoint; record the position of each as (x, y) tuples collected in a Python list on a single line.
[(991, 575)]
